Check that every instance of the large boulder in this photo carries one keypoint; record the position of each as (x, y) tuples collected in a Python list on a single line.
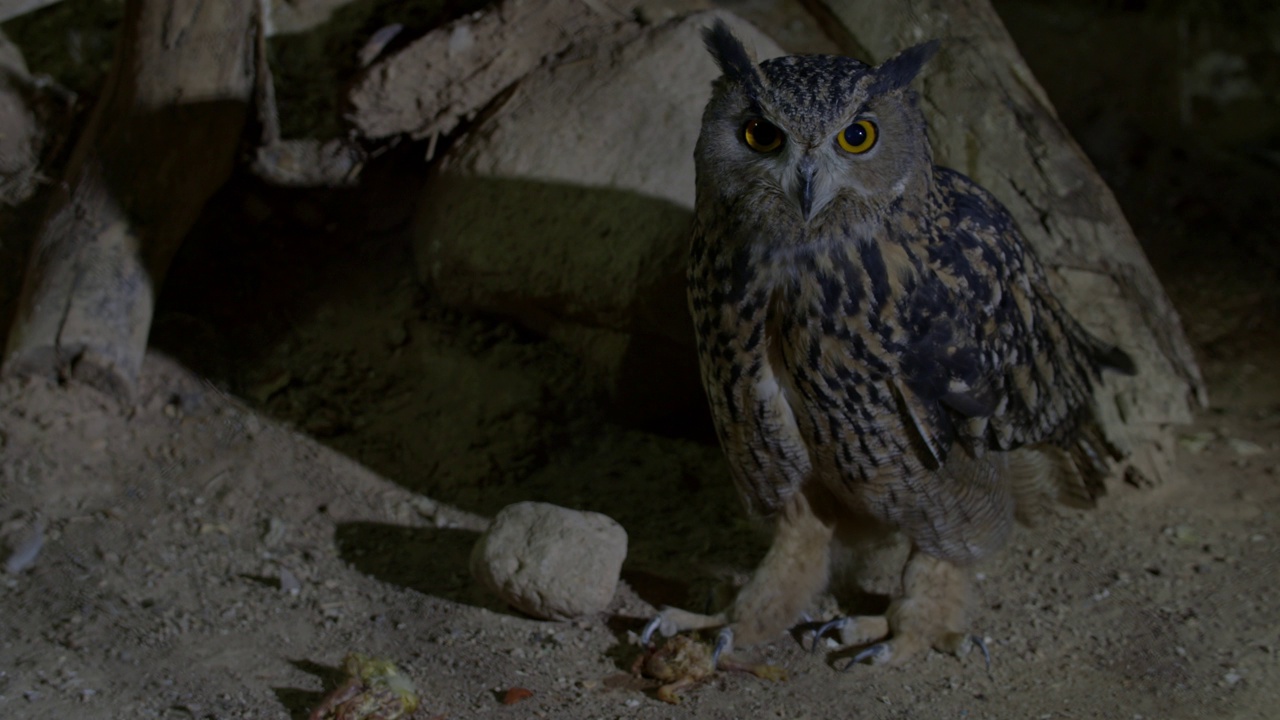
[(568, 207)]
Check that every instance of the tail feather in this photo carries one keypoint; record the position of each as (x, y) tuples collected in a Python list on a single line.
[(1045, 475), (1091, 455), (1033, 473)]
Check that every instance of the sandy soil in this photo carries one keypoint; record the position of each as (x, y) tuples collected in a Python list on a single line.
[(307, 477), (172, 526)]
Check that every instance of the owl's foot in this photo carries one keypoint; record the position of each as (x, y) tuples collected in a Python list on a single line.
[(855, 630), (883, 653), (792, 572), (929, 614), (901, 648), (671, 621), (886, 646)]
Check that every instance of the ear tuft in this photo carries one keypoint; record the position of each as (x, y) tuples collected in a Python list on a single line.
[(899, 70), (730, 54)]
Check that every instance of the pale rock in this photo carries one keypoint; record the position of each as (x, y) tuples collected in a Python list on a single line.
[(551, 562)]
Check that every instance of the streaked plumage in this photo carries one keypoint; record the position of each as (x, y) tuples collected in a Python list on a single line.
[(879, 345)]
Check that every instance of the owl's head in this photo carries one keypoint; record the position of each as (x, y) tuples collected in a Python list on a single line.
[(797, 133)]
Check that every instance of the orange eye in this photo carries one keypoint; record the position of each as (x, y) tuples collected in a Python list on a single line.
[(858, 137), (762, 135)]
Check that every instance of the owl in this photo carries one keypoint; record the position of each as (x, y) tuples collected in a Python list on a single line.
[(880, 347)]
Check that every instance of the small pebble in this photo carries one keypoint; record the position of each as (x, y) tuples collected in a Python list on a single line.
[(289, 582), (26, 549), (1245, 448)]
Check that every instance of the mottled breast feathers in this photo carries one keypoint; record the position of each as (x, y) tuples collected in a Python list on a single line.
[(871, 357)]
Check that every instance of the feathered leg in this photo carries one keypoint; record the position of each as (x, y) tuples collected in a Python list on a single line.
[(930, 612), (793, 571), (962, 515)]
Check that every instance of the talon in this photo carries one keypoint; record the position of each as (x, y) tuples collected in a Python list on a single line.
[(649, 629), (724, 641), (876, 653), (806, 621), (982, 645), (827, 627)]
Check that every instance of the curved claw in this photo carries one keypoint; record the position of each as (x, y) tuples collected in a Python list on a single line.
[(724, 643), (982, 645), (877, 653), (826, 627), (650, 629)]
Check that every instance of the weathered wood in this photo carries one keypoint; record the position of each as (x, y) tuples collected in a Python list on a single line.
[(304, 162), (989, 118), (284, 16), (450, 73), (289, 17), (10, 9), (160, 142), (21, 137)]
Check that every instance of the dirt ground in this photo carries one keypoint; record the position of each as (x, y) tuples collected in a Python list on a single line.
[(316, 442)]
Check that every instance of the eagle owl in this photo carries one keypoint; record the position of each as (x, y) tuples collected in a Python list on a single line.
[(880, 347)]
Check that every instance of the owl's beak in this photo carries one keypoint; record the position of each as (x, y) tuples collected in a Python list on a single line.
[(804, 186)]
